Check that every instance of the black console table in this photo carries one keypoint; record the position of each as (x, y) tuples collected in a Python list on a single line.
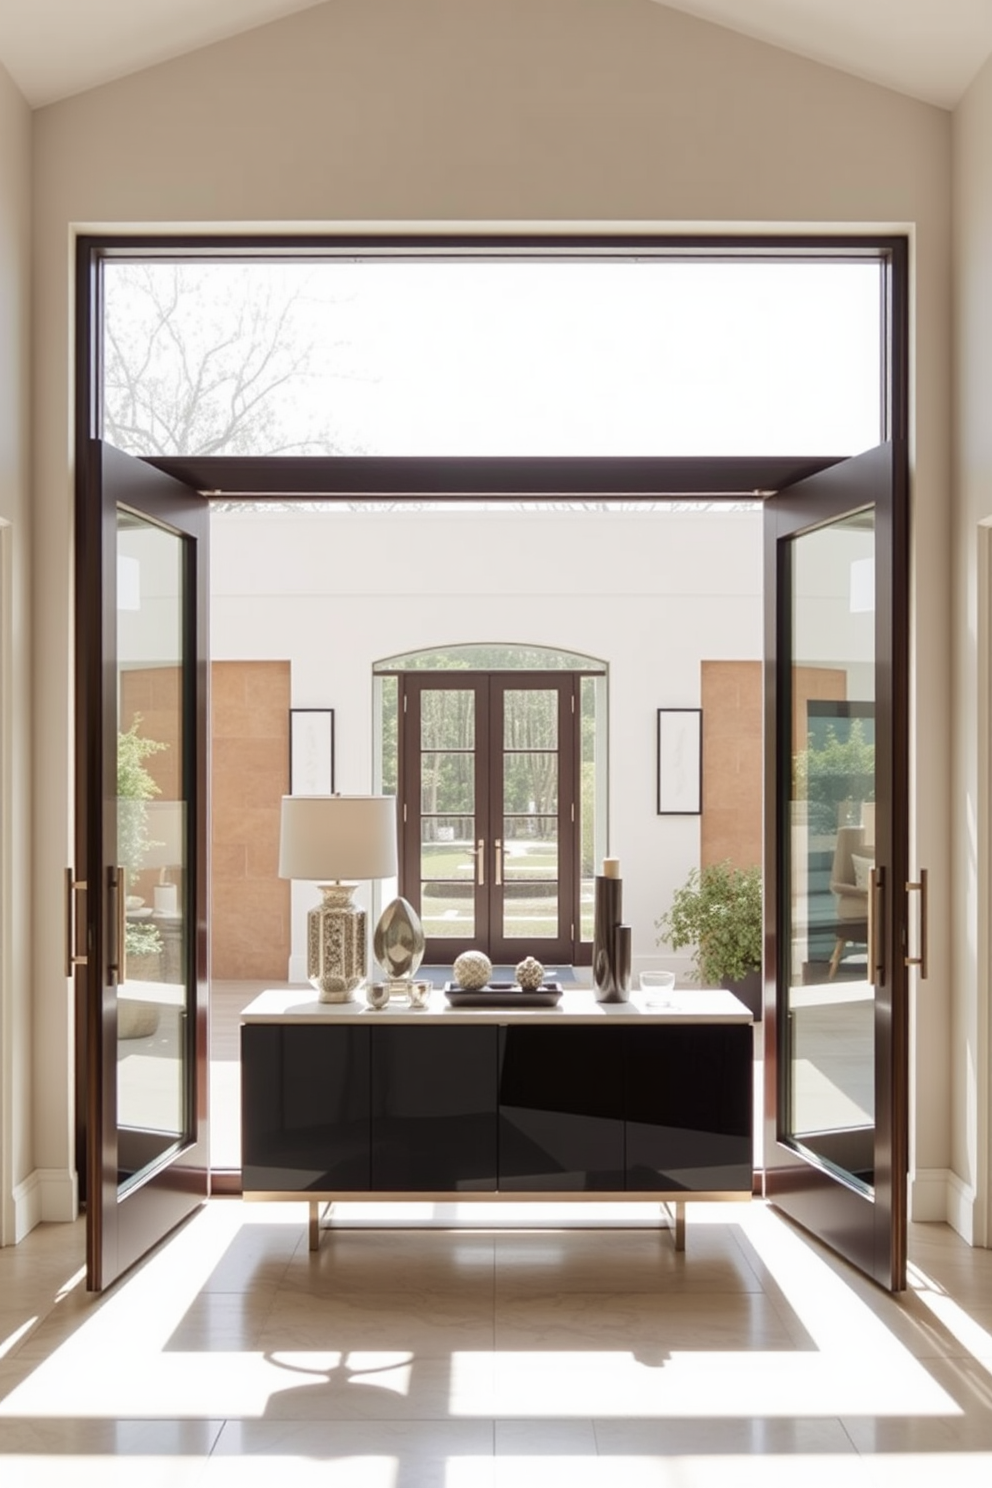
[(585, 1100)]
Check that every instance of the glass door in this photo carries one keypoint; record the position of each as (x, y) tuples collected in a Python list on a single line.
[(836, 845), (140, 942), (489, 841)]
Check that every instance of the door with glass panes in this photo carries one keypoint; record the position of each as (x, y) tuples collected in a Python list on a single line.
[(488, 807)]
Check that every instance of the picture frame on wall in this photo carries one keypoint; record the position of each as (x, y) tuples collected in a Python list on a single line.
[(680, 761), (311, 751)]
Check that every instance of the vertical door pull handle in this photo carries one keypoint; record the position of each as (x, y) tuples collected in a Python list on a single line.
[(480, 863), (499, 862), (117, 925), (73, 886), (923, 959), (876, 926)]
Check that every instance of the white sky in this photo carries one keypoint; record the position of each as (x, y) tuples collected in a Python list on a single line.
[(623, 357)]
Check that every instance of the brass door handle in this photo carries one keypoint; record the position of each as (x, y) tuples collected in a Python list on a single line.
[(73, 886), (479, 853), (923, 959), (116, 924), (876, 926), (499, 862)]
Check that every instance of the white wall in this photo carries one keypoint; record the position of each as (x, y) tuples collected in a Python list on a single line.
[(972, 784), (651, 595), (19, 1186), (483, 112)]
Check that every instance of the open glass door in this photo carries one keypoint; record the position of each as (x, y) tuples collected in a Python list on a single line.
[(140, 944), (836, 851)]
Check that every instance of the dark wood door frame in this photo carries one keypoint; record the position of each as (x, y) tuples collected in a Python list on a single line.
[(869, 1228), (121, 1228)]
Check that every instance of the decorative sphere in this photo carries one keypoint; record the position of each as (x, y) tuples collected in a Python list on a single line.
[(473, 970), (530, 974)]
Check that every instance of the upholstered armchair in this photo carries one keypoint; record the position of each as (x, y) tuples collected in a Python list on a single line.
[(849, 882)]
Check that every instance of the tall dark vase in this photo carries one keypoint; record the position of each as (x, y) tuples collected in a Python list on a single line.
[(610, 943)]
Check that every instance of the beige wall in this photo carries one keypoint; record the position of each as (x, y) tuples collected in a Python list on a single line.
[(972, 784), (20, 1185), (249, 903), (732, 699), (485, 112)]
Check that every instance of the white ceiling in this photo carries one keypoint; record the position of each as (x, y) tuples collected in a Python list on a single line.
[(930, 49)]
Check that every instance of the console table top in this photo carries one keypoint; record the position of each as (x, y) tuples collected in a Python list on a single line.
[(578, 1005)]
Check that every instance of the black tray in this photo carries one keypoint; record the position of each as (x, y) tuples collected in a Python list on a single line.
[(503, 994)]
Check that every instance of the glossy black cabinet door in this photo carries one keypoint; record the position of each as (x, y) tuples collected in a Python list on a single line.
[(434, 1109), (689, 1108), (561, 1109), (304, 1108)]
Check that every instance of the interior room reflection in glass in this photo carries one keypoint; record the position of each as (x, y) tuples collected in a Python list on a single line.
[(831, 848), (154, 997)]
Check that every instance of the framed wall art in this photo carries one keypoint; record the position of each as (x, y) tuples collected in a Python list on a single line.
[(680, 761), (311, 751)]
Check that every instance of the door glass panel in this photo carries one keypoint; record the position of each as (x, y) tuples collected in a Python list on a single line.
[(831, 848), (446, 844), (530, 849), (530, 783), (447, 718), (592, 795), (530, 718), (530, 877), (155, 993), (447, 876), (447, 784)]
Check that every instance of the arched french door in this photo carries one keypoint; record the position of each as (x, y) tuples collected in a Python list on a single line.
[(490, 812)]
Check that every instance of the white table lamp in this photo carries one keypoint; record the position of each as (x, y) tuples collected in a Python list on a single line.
[(328, 839)]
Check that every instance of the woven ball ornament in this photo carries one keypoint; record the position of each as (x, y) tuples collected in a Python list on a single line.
[(530, 974), (473, 970)]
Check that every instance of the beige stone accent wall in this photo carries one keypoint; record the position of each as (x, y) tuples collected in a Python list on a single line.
[(733, 767), (733, 751), (249, 917)]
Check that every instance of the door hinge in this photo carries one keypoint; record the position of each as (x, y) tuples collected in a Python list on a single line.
[(573, 702), (405, 701), (573, 813), (404, 813)]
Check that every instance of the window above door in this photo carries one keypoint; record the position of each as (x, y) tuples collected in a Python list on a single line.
[(579, 353)]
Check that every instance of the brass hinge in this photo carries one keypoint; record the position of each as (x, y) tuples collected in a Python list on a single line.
[(404, 813), (573, 813)]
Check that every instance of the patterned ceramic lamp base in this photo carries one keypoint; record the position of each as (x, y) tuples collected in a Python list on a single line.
[(336, 951)]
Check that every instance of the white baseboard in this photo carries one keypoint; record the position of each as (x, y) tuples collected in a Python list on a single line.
[(939, 1195), (962, 1210), (928, 1189), (48, 1194), (26, 1208)]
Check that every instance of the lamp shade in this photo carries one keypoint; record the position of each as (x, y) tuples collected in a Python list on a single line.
[(335, 837), (165, 822)]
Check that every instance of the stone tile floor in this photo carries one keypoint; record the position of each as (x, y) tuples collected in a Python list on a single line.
[(467, 1345)]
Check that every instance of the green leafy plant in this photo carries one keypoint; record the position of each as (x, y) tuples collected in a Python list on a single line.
[(135, 787), (718, 911)]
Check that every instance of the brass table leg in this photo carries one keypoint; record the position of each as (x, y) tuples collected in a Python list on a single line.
[(675, 1214)]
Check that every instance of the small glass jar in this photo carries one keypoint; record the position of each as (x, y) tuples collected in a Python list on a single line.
[(377, 994)]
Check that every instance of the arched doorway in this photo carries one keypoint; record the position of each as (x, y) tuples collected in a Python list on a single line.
[(497, 756)]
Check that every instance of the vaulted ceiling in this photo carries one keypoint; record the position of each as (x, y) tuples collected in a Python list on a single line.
[(930, 49)]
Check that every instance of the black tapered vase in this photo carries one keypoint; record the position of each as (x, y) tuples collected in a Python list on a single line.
[(610, 943)]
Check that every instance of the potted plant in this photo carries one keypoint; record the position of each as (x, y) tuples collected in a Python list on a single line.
[(135, 787), (718, 912)]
